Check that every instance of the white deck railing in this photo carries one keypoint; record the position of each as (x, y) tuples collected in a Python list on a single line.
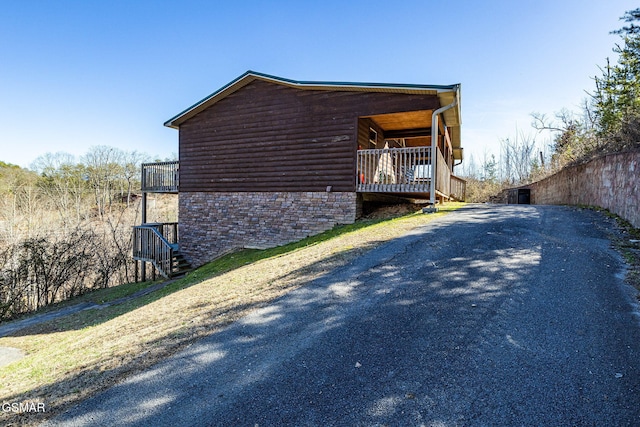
[(394, 170), (405, 170)]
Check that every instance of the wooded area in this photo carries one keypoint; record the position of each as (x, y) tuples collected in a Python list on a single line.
[(65, 226)]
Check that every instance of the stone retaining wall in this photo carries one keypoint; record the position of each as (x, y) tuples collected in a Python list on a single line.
[(609, 181), (212, 224)]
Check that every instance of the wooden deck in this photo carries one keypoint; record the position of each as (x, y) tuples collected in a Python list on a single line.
[(160, 177), (400, 171), (394, 171)]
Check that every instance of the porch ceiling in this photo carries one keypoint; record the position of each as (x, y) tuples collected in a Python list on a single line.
[(420, 121), (404, 121)]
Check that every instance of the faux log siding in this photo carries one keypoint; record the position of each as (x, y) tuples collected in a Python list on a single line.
[(363, 134), (269, 137)]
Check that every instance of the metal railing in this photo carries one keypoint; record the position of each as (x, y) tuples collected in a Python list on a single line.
[(160, 177), (156, 243)]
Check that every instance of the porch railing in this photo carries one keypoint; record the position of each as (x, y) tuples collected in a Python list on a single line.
[(156, 243), (443, 175), (394, 170), (160, 177), (458, 188), (405, 170)]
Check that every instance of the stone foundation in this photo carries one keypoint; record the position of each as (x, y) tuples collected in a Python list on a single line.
[(212, 224)]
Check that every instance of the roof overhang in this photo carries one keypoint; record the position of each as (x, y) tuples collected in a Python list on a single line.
[(447, 94)]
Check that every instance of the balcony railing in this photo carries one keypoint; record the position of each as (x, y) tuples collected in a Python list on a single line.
[(394, 170), (160, 177), (405, 170)]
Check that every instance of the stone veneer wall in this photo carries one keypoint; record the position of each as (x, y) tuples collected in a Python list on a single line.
[(609, 181), (212, 224)]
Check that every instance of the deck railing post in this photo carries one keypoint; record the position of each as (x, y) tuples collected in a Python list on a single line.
[(144, 208)]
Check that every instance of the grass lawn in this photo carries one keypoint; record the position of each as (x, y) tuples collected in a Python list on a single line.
[(76, 356)]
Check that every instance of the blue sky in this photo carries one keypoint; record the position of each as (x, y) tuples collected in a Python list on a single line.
[(75, 74)]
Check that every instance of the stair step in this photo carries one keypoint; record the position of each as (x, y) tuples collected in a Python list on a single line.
[(179, 264)]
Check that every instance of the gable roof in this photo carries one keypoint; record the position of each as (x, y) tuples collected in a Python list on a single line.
[(446, 94)]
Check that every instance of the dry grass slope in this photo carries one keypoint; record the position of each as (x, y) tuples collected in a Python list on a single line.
[(73, 358)]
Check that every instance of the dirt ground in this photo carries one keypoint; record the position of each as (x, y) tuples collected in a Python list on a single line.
[(383, 211)]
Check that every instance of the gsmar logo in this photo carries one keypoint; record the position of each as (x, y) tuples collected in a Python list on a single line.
[(22, 407)]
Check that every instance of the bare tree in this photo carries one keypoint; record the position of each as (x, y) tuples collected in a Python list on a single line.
[(104, 169), (519, 157), (574, 138), (64, 184), (131, 170), (65, 227)]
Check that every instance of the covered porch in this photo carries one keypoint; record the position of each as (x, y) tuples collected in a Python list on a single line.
[(412, 154), (406, 172)]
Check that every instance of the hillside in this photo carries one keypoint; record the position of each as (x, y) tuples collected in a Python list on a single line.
[(76, 356)]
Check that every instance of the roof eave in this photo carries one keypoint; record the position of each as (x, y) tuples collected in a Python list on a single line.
[(229, 88), (250, 76), (453, 117)]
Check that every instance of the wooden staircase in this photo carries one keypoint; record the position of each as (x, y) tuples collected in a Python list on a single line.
[(157, 244), (180, 265)]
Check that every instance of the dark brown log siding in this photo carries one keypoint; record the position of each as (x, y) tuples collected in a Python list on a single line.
[(270, 137), (364, 125)]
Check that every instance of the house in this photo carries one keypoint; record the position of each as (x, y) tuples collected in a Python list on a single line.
[(266, 160)]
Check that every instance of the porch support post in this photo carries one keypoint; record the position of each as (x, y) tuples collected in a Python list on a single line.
[(144, 207), (434, 147), (143, 185)]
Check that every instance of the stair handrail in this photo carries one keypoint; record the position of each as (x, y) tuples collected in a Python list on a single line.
[(151, 246)]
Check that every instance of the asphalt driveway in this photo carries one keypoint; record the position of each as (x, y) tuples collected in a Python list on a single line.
[(494, 315)]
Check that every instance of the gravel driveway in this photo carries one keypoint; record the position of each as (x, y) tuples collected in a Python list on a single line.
[(495, 315)]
